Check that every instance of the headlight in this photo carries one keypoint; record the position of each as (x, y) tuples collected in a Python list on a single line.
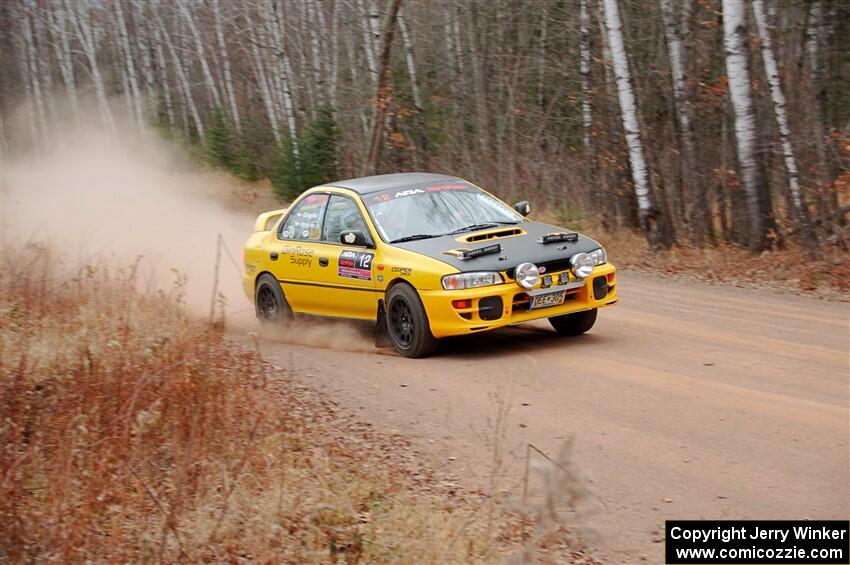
[(527, 275), (582, 265), (471, 280), (599, 256)]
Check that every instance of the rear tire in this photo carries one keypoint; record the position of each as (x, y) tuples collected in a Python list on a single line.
[(407, 323), (574, 324), (269, 302)]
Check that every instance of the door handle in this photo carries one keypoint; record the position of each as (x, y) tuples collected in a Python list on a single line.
[(323, 261)]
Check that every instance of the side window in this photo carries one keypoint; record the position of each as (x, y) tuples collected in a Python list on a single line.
[(343, 215), (304, 222)]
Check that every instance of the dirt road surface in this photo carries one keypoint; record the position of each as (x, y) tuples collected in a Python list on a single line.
[(685, 401)]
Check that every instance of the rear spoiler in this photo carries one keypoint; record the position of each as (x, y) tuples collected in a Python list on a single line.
[(266, 220)]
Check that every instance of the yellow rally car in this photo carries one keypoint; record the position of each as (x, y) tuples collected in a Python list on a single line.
[(426, 256)]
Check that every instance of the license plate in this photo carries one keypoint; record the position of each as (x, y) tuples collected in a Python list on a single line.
[(546, 300)]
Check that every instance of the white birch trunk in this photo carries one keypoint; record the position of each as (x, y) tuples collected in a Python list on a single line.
[(779, 111), (334, 53), (129, 65), (369, 45), (82, 22), (58, 21), (737, 71), (262, 81), (411, 62), (282, 72), (34, 75), (628, 108), (541, 59), (584, 68), (813, 34), (182, 80), (143, 47), (202, 58), (225, 62), (24, 68), (163, 74), (317, 26)]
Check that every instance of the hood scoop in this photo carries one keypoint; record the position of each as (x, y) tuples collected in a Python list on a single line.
[(492, 235), (464, 254)]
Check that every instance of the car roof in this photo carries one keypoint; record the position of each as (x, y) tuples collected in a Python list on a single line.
[(365, 185)]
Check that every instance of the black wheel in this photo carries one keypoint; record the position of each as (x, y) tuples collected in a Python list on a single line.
[(574, 324), (269, 302), (407, 323)]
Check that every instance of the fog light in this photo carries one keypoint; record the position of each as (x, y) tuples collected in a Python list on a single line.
[(547, 280), (461, 304), (582, 265), (527, 275), (564, 278)]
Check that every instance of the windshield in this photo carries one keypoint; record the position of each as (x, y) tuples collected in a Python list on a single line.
[(430, 211)]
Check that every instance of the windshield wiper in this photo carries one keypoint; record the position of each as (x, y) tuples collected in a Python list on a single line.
[(480, 227), (414, 237)]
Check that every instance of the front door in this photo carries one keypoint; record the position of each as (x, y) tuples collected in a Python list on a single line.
[(345, 270)]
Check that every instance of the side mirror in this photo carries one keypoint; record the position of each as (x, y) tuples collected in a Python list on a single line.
[(523, 207), (354, 238)]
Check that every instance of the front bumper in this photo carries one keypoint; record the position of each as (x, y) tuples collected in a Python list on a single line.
[(599, 290)]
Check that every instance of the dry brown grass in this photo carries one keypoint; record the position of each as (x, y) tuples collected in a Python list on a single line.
[(789, 269), (130, 432)]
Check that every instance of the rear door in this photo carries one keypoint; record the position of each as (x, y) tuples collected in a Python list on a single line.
[(296, 265)]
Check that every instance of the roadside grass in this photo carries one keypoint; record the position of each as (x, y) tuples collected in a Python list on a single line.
[(130, 432)]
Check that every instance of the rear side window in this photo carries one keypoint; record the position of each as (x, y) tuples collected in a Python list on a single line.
[(304, 222)]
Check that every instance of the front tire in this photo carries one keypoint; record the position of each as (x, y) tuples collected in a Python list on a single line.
[(574, 324), (269, 302), (407, 323)]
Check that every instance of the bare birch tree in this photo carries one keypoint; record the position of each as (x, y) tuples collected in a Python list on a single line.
[(227, 78), (740, 93), (692, 188), (383, 92), (129, 64), (779, 111), (82, 21), (628, 108)]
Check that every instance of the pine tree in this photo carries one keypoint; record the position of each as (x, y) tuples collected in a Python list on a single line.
[(320, 149), (286, 176), (316, 162), (220, 143)]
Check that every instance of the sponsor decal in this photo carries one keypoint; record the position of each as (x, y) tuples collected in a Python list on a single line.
[(409, 192), (355, 265), (350, 238), (403, 271), (541, 269), (391, 195), (299, 256)]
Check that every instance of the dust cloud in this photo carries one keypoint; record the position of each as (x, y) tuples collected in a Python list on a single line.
[(97, 200)]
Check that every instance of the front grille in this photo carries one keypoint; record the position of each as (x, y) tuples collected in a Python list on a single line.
[(551, 267), (490, 308)]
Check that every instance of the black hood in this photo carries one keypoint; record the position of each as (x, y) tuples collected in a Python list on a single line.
[(515, 249)]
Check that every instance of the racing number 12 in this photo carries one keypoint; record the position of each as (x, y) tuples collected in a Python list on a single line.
[(364, 261)]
